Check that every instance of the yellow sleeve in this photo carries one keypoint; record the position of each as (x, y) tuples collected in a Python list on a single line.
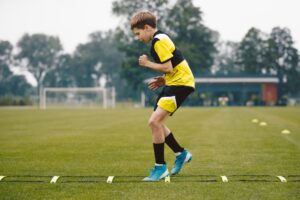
[(162, 48)]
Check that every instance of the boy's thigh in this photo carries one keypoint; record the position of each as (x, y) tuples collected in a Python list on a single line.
[(159, 115)]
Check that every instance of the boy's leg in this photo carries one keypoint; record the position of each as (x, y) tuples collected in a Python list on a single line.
[(158, 133), (167, 131), (158, 137), (171, 141), (182, 156), (156, 123)]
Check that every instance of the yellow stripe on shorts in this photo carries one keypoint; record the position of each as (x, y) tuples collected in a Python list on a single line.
[(168, 103)]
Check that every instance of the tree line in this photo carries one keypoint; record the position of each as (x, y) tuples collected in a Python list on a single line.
[(113, 54)]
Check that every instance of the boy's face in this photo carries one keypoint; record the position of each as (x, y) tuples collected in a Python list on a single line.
[(144, 35)]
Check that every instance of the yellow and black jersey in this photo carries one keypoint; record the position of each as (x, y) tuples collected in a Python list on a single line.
[(163, 50)]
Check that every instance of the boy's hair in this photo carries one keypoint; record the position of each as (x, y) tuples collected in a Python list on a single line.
[(140, 19)]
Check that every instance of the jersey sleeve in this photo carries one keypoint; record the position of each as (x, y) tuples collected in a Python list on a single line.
[(163, 51)]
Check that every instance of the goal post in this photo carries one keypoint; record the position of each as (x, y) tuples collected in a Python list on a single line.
[(104, 96)]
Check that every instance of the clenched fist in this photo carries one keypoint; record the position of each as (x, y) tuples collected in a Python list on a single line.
[(143, 60)]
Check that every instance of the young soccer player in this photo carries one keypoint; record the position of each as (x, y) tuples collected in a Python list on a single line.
[(178, 82)]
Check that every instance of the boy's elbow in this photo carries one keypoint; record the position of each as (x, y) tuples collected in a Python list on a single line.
[(168, 68)]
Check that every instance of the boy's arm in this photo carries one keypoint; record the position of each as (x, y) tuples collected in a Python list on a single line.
[(164, 67)]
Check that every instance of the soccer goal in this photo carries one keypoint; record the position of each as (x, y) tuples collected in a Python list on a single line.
[(78, 97)]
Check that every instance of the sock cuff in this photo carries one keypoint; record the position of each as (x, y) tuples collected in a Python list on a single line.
[(169, 136), (158, 144)]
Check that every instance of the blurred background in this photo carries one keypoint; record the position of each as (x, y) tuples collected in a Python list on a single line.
[(242, 53)]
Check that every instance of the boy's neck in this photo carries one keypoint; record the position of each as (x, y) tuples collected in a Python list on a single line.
[(153, 31)]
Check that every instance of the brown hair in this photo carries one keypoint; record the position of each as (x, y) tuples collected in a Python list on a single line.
[(140, 19)]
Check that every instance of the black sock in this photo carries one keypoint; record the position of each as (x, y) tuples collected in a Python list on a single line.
[(173, 144), (159, 153)]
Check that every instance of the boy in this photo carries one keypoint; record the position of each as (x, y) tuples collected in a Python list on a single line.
[(178, 82)]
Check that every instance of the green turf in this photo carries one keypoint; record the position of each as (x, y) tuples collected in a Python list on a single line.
[(92, 144)]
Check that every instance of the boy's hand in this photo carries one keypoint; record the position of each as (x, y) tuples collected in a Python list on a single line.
[(156, 82), (143, 60)]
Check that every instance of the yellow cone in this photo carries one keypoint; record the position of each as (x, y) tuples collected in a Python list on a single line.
[(263, 124), (254, 120), (285, 131)]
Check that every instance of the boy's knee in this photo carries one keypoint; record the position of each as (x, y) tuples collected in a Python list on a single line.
[(153, 122)]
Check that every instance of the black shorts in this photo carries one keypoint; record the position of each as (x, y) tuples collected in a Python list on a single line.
[(171, 97)]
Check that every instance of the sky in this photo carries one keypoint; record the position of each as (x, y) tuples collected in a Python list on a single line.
[(233, 18), (73, 20)]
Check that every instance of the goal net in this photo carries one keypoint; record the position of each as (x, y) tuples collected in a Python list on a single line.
[(77, 97)]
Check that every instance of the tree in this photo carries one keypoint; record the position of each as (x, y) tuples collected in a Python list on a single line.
[(273, 54), (110, 57), (283, 60), (39, 54), (63, 75), (251, 52), (5, 60), (97, 58), (225, 60), (10, 84), (126, 8), (18, 86), (195, 40)]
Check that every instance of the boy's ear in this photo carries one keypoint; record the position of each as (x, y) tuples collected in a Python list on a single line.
[(146, 27)]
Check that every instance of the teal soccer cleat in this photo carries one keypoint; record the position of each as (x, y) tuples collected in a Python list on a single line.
[(157, 173), (180, 160)]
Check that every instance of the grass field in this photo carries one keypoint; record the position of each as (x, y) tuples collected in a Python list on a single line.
[(84, 146)]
